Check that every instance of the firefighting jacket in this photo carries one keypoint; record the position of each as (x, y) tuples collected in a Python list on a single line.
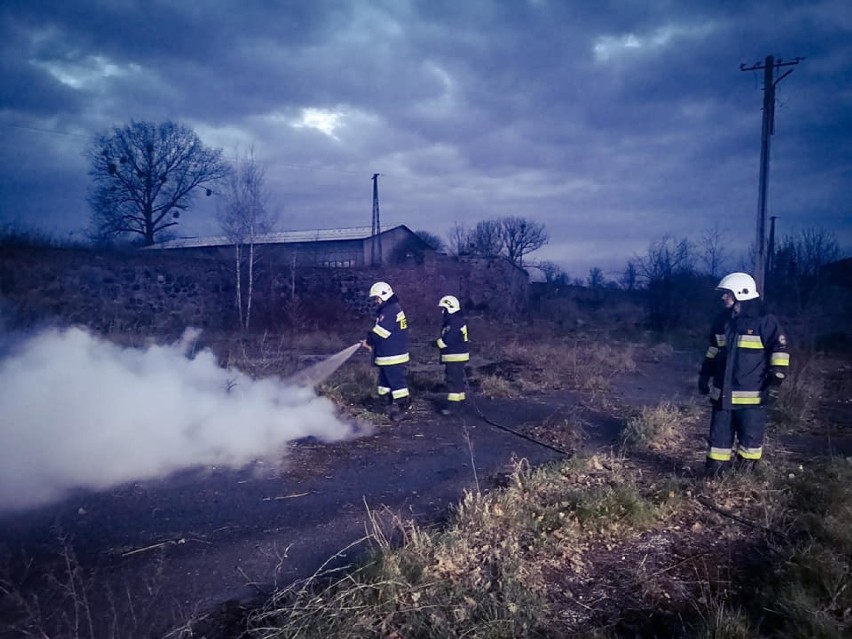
[(454, 338), (389, 337), (748, 352)]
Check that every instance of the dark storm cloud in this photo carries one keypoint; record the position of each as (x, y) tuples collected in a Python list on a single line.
[(613, 123)]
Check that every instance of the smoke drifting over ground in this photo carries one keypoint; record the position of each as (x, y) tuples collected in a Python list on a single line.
[(80, 412)]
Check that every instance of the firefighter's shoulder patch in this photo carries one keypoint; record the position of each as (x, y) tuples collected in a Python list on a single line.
[(782, 339)]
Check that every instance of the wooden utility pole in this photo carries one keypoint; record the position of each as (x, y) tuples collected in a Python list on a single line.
[(770, 255), (376, 240), (769, 83)]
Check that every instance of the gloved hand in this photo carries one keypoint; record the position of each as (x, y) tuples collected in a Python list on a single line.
[(703, 385), (434, 343)]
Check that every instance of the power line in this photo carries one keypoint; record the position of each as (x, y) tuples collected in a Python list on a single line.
[(40, 130)]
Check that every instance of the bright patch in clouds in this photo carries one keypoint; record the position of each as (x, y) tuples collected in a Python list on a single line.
[(321, 120), (609, 47), (81, 74)]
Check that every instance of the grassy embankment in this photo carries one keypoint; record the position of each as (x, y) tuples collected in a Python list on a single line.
[(607, 545)]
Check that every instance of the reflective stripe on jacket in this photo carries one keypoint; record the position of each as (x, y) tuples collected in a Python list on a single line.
[(454, 339), (389, 337), (744, 352)]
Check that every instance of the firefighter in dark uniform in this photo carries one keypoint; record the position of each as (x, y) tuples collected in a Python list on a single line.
[(746, 362), (388, 342), (453, 345)]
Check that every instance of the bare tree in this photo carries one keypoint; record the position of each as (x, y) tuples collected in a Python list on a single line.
[(458, 240), (144, 177), (666, 257), (712, 250), (630, 277), (244, 216), (521, 237), (553, 273), (668, 272), (596, 278), (797, 266), (814, 248), (434, 242), (486, 239)]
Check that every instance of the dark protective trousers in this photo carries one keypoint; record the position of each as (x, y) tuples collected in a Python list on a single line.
[(392, 381), (747, 425), (454, 377)]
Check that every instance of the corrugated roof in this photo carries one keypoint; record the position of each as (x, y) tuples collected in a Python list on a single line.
[(283, 237)]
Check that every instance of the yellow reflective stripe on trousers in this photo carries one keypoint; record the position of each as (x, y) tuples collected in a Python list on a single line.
[(745, 398), (455, 397), (390, 360), (455, 357), (749, 341), (400, 393), (779, 359), (719, 454), (381, 331), (749, 453), (383, 390)]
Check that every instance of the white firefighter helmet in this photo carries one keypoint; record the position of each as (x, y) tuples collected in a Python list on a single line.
[(451, 303), (382, 290), (742, 285)]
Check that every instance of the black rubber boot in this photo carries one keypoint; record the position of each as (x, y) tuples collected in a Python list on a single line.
[(713, 469), (745, 465), (398, 409)]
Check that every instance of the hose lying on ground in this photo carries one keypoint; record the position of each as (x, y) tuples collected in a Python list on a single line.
[(510, 430)]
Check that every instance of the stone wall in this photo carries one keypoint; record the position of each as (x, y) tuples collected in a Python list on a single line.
[(160, 293)]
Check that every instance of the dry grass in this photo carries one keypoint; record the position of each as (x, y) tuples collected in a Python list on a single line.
[(800, 393), (73, 601), (352, 384), (552, 364), (483, 576), (492, 386), (658, 427), (570, 548)]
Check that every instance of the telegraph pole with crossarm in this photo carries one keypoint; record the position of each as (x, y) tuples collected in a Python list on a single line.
[(769, 83)]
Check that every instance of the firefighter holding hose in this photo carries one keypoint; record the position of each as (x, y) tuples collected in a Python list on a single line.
[(388, 343)]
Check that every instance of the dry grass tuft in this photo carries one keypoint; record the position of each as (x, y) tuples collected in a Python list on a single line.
[(657, 428), (562, 363), (492, 386)]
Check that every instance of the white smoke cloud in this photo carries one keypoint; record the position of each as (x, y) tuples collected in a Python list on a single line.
[(77, 411)]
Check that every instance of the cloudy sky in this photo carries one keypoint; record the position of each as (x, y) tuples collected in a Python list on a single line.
[(611, 122)]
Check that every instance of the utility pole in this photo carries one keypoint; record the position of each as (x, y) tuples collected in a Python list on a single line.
[(376, 241), (770, 255), (769, 83)]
